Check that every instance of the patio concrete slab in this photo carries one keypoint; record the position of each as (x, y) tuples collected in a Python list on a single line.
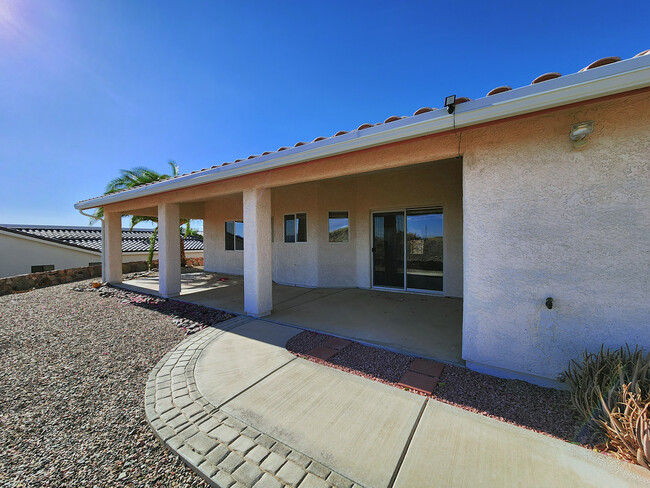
[(241, 357), (348, 423), (456, 448), (423, 325), (206, 289)]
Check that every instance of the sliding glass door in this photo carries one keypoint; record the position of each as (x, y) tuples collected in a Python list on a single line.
[(388, 249), (412, 237)]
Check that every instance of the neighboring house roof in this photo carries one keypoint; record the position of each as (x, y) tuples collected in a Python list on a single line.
[(549, 90), (90, 238)]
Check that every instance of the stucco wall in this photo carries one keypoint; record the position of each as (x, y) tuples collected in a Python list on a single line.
[(433, 185), (131, 257), (544, 220), (321, 263), (18, 255), (216, 258)]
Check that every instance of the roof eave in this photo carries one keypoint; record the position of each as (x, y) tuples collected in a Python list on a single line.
[(607, 80)]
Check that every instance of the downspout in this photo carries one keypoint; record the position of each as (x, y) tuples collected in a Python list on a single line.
[(103, 233)]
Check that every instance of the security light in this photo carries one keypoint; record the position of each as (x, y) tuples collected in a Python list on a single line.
[(579, 132), (450, 103)]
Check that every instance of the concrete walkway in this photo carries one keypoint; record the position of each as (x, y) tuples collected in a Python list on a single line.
[(423, 325), (242, 411)]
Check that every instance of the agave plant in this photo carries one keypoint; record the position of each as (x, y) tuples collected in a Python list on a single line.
[(597, 381), (628, 427)]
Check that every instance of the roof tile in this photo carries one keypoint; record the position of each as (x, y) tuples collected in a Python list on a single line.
[(90, 238), (423, 110)]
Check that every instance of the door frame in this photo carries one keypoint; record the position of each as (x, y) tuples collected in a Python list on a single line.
[(404, 289)]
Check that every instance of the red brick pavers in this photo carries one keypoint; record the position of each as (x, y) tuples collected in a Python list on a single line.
[(337, 343), (422, 376), (322, 352), (419, 382), (425, 366)]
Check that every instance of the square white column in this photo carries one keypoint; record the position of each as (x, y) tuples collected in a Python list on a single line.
[(211, 228), (169, 250), (112, 248), (258, 276)]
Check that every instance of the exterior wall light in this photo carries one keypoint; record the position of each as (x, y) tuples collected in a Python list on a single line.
[(579, 133), (450, 103)]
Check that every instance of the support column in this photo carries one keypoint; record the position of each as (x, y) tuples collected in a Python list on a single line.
[(258, 300), (211, 228), (169, 250), (112, 248)]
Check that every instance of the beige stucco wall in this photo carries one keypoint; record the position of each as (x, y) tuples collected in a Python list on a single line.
[(18, 255), (538, 218), (320, 263), (132, 257), (544, 220), (215, 257)]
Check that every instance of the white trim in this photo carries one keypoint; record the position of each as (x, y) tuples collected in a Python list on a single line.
[(515, 375), (619, 77)]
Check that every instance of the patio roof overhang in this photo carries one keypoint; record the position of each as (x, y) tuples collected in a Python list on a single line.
[(609, 80)]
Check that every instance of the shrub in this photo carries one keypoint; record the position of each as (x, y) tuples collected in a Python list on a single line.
[(597, 381), (628, 427)]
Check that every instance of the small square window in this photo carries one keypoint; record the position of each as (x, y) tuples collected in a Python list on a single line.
[(234, 236), (295, 228), (339, 227), (42, 267)]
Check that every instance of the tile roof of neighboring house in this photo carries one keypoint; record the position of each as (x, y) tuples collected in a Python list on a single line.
[(495, 91), (90, 238)]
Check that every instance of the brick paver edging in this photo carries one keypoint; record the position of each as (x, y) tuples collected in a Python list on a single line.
[(224, 451)]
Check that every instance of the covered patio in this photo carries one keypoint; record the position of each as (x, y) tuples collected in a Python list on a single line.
[(418, 324)]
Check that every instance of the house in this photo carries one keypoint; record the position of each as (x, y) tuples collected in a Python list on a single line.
[(531, 204), (33, 248)]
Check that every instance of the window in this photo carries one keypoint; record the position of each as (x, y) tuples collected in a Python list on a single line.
[(95, 263), (295, 228), (234, 235), (339, 227), (42, 267)]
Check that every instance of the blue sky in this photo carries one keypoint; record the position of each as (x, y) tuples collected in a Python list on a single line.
[(90, 87)]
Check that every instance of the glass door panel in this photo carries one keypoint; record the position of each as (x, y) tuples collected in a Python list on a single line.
[(424, 249), (388, 249)]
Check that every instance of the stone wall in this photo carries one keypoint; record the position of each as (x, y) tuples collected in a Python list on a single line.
[(48, 278), (58, 276)]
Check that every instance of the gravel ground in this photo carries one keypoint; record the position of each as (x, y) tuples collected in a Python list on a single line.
[(73, 366), (543, 410)]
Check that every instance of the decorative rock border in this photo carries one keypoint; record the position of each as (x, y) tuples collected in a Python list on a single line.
[(24, 282), (224, 451)]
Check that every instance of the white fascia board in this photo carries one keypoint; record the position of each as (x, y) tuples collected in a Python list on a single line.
[(627, 75), (48, 242)]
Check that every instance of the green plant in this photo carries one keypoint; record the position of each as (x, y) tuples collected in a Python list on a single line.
[(628, 427), (597, 381), (133, 178)]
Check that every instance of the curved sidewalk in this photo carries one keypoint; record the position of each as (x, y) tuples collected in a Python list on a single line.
[(242, 411)]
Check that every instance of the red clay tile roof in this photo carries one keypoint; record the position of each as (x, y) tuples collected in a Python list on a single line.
[(497, 90)]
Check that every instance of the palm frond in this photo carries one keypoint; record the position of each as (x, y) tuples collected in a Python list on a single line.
[(136, 219), (174, 166)]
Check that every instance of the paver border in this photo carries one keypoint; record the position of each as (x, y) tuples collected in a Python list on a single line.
[(221, 449)]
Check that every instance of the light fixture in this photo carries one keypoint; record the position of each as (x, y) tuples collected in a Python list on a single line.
[(450, 103), (579, 133)]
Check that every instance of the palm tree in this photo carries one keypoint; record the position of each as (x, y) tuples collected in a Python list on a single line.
[(132, 178)]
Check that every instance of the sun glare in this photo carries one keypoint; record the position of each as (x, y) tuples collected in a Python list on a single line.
[(9, 20)]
